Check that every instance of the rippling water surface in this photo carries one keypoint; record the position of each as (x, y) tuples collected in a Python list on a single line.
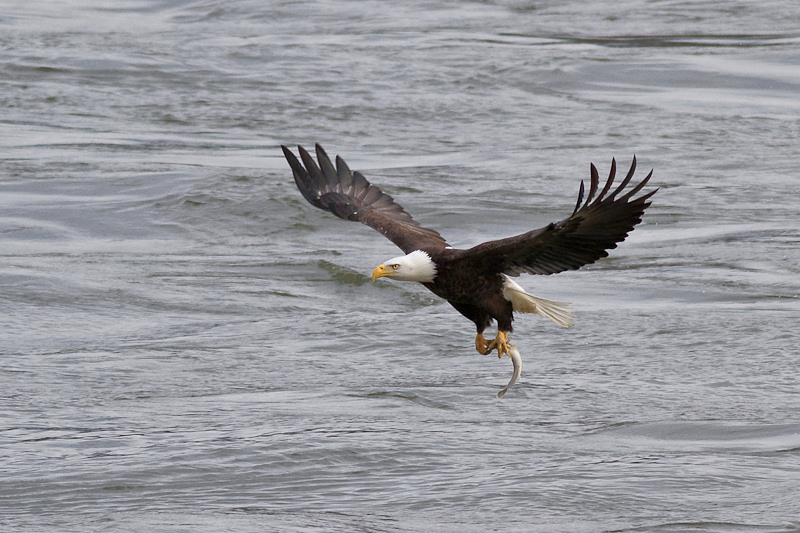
[(187, 345)]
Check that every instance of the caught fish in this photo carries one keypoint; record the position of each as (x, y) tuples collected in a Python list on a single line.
[(516, 358)]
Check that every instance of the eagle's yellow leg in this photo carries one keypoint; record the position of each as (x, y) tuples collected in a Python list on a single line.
[(481, 344), (501, 343)]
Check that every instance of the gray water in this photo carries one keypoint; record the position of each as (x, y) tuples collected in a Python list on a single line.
[(187, 345)]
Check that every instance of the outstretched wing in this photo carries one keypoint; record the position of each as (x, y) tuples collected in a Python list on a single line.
[(583, 238), (350, 196)]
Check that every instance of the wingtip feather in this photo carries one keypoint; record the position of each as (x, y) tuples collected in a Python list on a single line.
[(627, 179), (327, 169), (611, 175), (580, 199), (595, 180)]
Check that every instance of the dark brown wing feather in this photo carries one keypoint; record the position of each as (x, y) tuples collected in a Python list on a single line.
[(350, 196), (583, 238)]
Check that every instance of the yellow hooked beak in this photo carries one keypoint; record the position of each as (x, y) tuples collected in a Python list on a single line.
[(381, 271)]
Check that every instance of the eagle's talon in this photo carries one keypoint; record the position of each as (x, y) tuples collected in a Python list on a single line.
[(500, 343), (481, 344)]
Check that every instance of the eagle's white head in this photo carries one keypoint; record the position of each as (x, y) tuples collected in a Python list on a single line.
[(416, 266)]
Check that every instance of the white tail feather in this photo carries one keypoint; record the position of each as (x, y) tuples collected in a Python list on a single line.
[(522, 302)]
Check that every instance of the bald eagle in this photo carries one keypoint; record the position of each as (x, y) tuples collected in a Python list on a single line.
[(477, 281)]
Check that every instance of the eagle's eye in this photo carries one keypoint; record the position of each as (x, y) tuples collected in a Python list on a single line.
[(394, 267)]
